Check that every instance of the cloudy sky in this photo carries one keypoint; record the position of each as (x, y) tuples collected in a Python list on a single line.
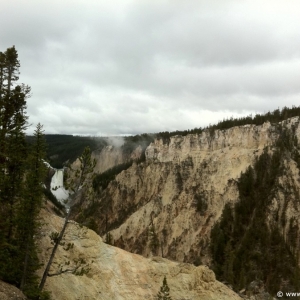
[(125, 67)]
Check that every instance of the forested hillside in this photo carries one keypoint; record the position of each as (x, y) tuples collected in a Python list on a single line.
[(62, 148)]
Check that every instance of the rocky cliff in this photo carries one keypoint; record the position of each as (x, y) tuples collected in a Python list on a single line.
[(167, 205), (111, 156), (101, 271)]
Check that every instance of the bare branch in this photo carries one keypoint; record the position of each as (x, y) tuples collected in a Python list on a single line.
[(64, 271)]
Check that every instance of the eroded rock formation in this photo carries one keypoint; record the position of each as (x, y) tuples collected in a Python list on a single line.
[(116, 274), (181, 189)]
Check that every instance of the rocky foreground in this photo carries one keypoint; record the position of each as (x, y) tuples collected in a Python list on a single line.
[(113, 273), (10, 292)]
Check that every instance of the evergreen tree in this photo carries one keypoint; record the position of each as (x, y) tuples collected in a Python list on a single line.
[(154, 241), (12, 99), (13, 156), (13, 122), (86, 167), (21, 176), (164, 291), (228, 263), (31, 205)]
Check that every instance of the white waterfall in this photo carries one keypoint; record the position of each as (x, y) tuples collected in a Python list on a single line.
[(57, 185)]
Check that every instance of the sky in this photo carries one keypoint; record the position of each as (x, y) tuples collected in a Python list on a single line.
[(99, 67)]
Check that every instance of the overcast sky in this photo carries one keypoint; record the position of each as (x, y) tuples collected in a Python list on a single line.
[(127, 67)]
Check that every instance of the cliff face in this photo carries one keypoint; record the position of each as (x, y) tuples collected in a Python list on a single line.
[(111, 156), (167, 205), (108, 157), (116, 274)]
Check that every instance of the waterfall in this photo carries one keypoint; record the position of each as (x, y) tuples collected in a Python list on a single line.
[(57, 185), (57, 179)]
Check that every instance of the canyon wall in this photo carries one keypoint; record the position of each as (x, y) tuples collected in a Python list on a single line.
[(167, 205), (111, 156)]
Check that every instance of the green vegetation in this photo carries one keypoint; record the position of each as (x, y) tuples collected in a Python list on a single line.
[(31, 205), (132, 142), (102, 180), (62, 147), (109, 239), (166, 135), (201, 203), (272, 117), (21, 172), (244, 246), (153, 237), (164, 293)]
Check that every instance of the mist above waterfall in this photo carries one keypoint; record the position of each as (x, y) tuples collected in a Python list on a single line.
[(116, 141)]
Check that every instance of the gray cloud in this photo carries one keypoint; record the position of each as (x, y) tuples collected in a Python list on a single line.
[(125, 67)]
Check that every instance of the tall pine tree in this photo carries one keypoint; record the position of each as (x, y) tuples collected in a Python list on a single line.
[(30, 207), (21, 176), (13, 155)]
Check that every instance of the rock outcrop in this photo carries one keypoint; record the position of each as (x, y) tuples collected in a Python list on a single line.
[(111, 156), (10, 292), (107, 158), (114, 274)]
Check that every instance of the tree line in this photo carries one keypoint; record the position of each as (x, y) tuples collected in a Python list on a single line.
[(258, 119), (275, 116), (65, 147)]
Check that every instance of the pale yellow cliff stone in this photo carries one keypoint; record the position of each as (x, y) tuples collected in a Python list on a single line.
[(109, 157), (116, 274), (212, 163)]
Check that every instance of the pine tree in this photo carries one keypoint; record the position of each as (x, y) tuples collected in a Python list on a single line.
[(13, 156), (154, 241), (13, 122), (164, 291), (12, 99), (31, 205), (86, 167), (228, 263), (21, 177)]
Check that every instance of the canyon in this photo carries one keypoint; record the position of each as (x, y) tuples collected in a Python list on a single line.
[(155, 218), (181, 188)]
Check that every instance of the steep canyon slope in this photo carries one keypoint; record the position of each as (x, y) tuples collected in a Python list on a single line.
[(168, 204), (111, 156), (106, 272)]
